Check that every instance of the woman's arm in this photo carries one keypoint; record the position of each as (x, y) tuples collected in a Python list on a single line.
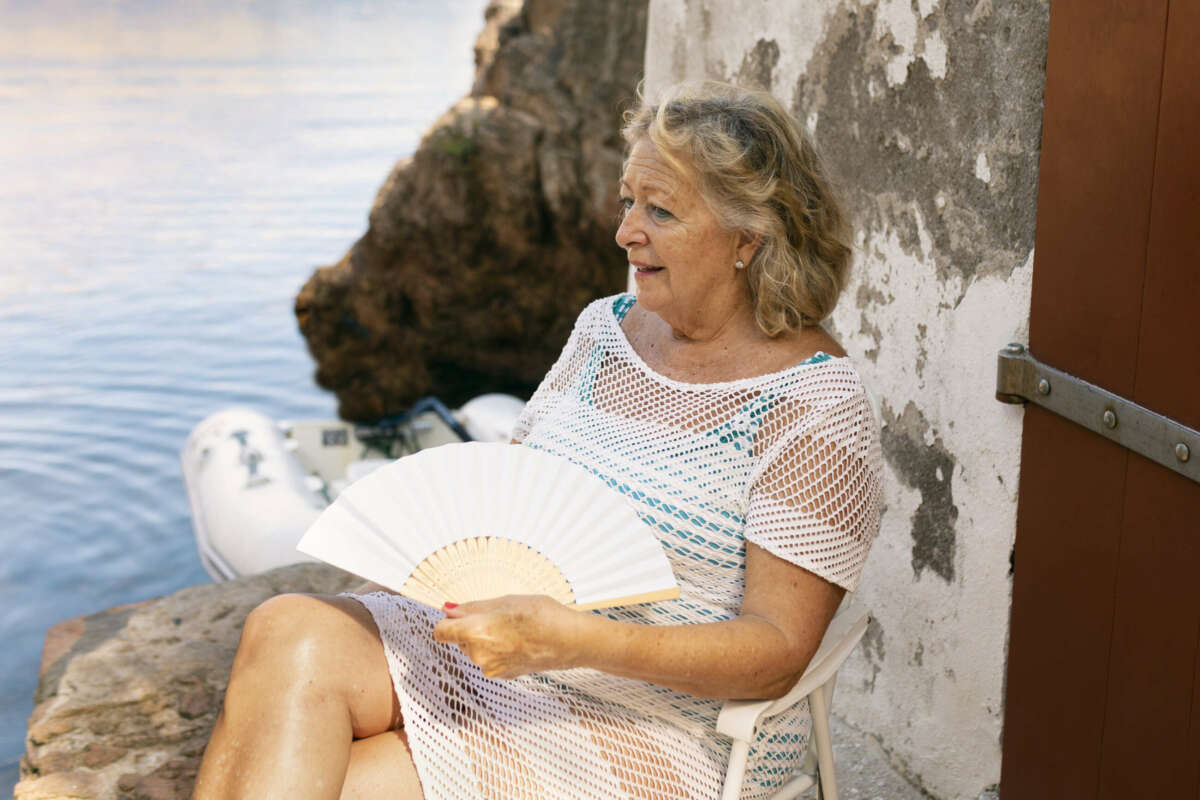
[(760, 653)]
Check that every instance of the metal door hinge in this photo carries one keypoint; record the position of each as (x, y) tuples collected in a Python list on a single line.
[(1021, 378)]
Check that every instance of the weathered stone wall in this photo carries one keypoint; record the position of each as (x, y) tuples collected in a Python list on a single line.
[(929, 113)]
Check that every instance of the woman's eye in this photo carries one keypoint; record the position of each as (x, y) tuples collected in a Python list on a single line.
[(658, 213)]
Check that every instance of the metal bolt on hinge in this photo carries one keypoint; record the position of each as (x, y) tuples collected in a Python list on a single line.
[(1110, 419), (1182, 452), (1043, 387), (1016, 348)]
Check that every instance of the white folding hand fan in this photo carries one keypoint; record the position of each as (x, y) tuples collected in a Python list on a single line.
[(464, 522)]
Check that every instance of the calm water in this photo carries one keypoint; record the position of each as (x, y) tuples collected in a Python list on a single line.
[(162, 203)]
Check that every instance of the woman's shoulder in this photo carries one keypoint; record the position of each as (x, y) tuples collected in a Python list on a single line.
[(808, 344), (824, 375), (830, 400), (614, 305), (592, 325), (797, 360)]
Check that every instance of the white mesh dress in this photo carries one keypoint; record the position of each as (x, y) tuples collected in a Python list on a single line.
[(789, 461)]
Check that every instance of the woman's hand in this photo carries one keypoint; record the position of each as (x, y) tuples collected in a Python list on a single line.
[(513, 635)]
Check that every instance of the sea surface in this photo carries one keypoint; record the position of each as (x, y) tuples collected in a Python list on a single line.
[(170, 179)]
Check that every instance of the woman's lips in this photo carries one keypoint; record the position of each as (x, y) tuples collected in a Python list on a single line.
[(644, 269)]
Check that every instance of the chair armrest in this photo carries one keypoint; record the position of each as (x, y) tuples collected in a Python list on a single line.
[(739, 718)]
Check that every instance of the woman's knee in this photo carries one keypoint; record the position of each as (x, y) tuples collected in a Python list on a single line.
[(319, 644), (274, 627), (303, 631)]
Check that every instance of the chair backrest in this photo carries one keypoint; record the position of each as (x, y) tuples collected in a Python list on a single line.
[(873, 399), (739, 719)]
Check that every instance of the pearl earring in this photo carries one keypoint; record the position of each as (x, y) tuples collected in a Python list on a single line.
[(739, 264)]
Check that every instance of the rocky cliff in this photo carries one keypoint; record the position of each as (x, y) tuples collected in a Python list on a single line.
[(127, 697), (484, 245)]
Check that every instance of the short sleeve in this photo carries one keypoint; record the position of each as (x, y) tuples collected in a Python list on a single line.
[(556, 381), (816, 500)]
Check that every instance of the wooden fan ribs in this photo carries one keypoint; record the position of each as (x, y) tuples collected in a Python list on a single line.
[(482, 567)]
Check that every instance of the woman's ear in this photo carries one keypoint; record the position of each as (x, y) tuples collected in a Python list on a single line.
[(747, 246)]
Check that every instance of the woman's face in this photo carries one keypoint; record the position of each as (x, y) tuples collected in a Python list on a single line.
[(682, 257)]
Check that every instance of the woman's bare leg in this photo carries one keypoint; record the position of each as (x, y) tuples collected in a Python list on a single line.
[(381, 768), (309, 677)]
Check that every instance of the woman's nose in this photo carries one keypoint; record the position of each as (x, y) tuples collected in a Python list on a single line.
[(629, 232)]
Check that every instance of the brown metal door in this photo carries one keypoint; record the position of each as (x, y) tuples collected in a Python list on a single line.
[(1103, 688)]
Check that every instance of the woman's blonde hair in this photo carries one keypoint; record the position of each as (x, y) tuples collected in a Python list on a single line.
[(761, 175)]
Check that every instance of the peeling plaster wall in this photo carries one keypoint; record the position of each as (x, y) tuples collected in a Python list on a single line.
[(929, 115)]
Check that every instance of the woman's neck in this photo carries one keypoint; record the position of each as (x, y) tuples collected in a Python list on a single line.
[(720, 350), (716, 321)]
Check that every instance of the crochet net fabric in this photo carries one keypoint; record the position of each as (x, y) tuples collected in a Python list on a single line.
[(789, 461)]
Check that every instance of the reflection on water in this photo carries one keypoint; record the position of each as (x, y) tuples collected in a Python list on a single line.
[(156, 221)]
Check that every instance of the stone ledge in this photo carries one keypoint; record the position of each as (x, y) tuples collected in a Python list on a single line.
[(127, 696)]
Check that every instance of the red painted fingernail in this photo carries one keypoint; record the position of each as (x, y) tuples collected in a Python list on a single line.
[(451, 605)]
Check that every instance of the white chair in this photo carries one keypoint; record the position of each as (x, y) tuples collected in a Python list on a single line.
[(739, 719)]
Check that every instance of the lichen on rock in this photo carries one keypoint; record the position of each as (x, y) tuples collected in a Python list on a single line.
[(484, 244)]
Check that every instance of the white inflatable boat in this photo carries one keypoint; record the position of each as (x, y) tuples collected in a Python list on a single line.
[(255, 485)]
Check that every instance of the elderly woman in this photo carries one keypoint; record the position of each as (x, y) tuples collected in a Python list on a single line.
[(740, 431)]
